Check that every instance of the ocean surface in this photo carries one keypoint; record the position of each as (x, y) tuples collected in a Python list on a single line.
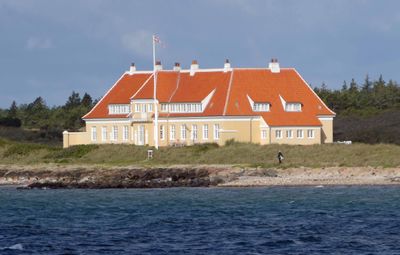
[(279, 220)]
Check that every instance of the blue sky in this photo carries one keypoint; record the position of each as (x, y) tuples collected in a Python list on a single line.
[(50, 48)]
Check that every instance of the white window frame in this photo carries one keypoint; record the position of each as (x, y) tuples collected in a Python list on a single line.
[(164, 107), (278, 134), (194, 132), (104, 134), (300, 133), (125, 133), (310, 133), (183, 132), (172, 133), (261, 107), (94, 134), (264, 134), (293, 107), (205, 132), (114, 109), (216, 131), (289, 134), (114, 133)]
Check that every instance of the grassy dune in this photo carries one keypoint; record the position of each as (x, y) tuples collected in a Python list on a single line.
[(379, 155)]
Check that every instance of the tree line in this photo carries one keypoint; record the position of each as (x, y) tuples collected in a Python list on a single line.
[(366, 99), (50, 120)]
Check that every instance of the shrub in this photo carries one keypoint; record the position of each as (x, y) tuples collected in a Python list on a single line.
[(230, 142), (23, 149), (10, 122), (77, 151)]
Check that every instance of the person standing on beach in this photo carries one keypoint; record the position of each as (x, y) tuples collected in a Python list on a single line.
[(280, 157)]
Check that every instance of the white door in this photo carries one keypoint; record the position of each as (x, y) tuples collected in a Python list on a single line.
[(141, 135)]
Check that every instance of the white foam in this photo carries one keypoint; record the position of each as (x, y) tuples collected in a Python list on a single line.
[(17, 246)]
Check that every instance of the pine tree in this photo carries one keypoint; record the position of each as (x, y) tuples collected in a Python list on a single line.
[(12, 112), (74, 100), (87, 100)]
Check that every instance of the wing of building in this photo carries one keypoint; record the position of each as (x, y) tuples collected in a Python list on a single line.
[(258, 105)]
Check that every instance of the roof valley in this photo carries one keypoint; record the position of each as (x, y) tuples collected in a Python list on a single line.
[(228, 93)]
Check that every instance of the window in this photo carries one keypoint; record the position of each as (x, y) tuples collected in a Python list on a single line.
[(183, 132), (289, 134), (172, 133), (118, 109), (150, 107), (137, 107), (125, 133), (205, 132), (94, 134), (144, 107), (293, 107), (162, 132), (114, 133), (300, 133), (263, 134), (182, 107), (261, 107), (104, 133), (278, 134), (216, 131), (310, 133), (194, 132)]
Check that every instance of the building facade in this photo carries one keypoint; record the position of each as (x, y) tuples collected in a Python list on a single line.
[(257, 105)]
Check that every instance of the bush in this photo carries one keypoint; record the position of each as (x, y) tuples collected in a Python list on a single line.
[(230, 142), (205, 147), (77, 151), (10, 122)]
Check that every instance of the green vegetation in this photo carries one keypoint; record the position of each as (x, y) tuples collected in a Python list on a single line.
[(36, 122), (368, 113), (244, 154)]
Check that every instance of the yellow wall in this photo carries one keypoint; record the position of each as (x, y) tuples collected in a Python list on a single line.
[(242, 130), (327, 130)]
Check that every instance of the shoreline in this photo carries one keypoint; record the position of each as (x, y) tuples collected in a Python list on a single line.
[(100, 177)]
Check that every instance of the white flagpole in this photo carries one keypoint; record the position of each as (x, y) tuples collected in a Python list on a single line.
[(155, 96)]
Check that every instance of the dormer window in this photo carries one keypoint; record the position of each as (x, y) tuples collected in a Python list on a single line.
[(293, 107), (118, 109), (261, 107)]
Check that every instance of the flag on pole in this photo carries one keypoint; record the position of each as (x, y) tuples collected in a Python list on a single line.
[(157, 39)]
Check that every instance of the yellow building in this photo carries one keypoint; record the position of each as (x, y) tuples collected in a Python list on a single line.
[(258, 105)]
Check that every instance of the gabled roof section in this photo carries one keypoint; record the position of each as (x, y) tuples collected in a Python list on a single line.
[(119, 93), (261, 85)]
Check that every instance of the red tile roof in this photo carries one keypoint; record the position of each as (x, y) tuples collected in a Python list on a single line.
[(230, 98)]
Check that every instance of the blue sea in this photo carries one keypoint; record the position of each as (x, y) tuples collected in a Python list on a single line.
[(278, 220)]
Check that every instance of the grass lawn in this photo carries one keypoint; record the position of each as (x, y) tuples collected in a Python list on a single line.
[(244, 154)]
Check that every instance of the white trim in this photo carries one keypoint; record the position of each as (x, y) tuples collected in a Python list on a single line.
[(201, 119), (297, 127), (141, 87), (315, 94), (283, 101), (206, 100), (148, 101), (93, 121), (228, 93), (112, 87), (325, 118), (227, 130)]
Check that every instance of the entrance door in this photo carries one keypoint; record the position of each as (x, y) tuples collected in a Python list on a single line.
[(141, 135)]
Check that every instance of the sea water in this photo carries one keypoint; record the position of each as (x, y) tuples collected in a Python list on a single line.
[(279, 220)]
